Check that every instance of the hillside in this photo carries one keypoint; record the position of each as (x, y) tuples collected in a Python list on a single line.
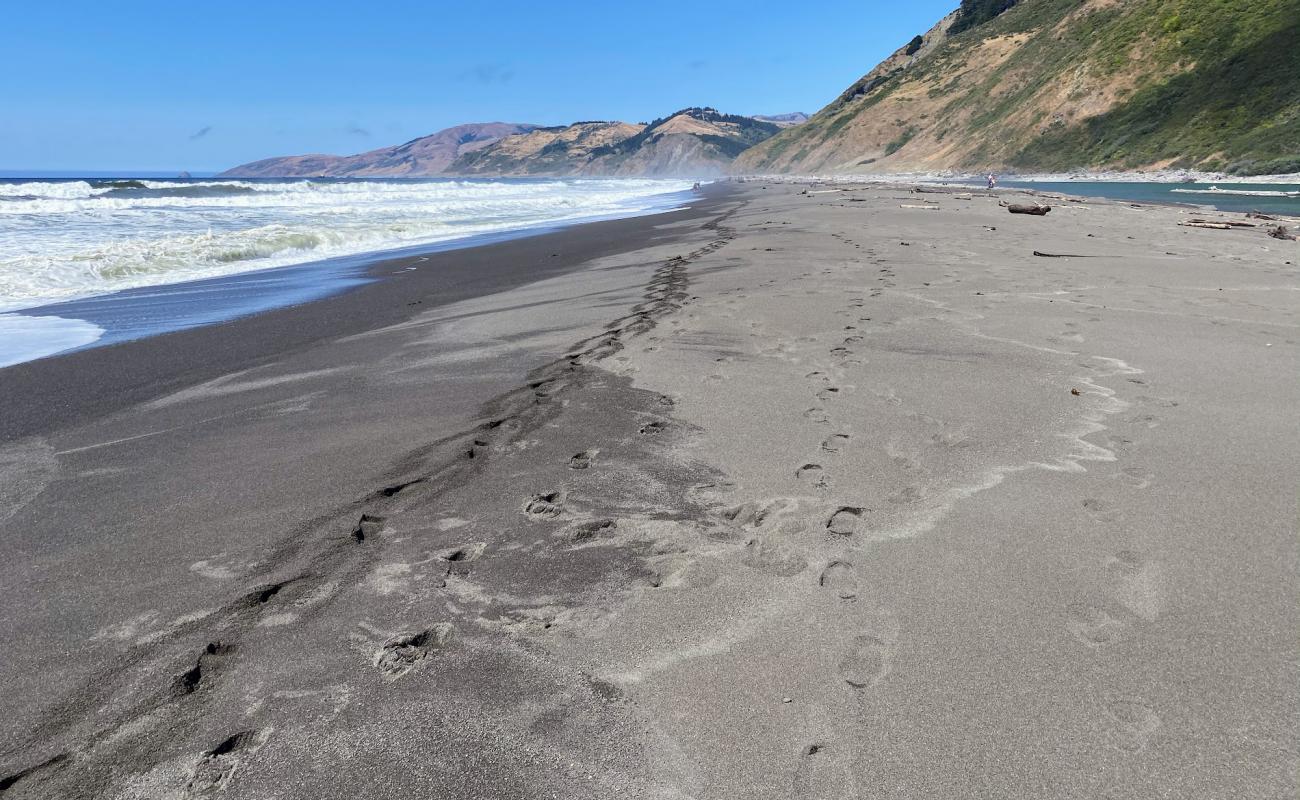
[(562, 150), (1068, 84), (695, 142), (426, 156)]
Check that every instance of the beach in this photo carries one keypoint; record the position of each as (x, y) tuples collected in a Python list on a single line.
[(803, 491)]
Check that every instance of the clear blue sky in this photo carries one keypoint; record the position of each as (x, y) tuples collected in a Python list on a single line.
[(204, 85)]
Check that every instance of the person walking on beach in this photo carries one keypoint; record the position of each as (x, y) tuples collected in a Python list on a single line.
[(993, 181)]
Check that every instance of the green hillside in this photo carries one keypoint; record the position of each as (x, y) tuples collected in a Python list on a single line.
[(1069, 84)]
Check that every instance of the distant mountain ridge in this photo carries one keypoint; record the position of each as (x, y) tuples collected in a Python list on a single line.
[(693, 142), (422, 157), (1059, 85), (783, 120)]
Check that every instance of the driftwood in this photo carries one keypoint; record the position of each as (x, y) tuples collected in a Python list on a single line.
[(1218, 226), (1037, 211), (1227, 222), (1280, 232), (1061, 255), (1257, 215), (920, 208)]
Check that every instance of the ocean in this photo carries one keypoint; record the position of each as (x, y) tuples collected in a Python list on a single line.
[(70, 244)]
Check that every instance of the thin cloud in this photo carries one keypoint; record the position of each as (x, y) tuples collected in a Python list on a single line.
[(488, 74), (201, 132), (357, 130)]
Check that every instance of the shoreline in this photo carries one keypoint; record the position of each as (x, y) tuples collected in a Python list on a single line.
[(783, 497), (150, 310), (433, 277)]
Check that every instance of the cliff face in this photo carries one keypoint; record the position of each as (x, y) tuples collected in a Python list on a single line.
[(426, 156), (1068, 84), (694, 142)]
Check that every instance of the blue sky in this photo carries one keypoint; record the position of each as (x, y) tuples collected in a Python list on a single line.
[(206, 85)]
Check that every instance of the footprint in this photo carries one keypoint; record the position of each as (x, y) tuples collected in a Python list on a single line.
[(817, 415), (191, 680), (1133, 721), (1094, 627), (1136, 584), (582, 460), (812, 474), (823, 774), (402, 653), (586, 531), (752, 515), (368, 526), (218, 765), (835, 442), (846, 521), (545, 506), (838, 578), (866, 663), (459, 558)]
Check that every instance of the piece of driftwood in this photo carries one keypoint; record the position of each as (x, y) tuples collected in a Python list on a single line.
[(1218, 226), (1037, 211), (1227, 222), (1280, 232), (920, 208), (1061, 255), (1257, 215)]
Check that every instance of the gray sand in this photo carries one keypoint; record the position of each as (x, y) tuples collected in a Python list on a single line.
[(818, 496)]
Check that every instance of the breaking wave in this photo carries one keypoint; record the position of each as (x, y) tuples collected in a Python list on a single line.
[(66, 239)]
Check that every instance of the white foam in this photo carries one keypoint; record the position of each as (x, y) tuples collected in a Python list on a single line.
[(24, 338), (71, 239)]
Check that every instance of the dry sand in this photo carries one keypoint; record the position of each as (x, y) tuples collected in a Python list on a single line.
[(812, 496)]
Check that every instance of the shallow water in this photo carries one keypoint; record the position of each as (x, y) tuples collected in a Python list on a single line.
[(1269, 198)]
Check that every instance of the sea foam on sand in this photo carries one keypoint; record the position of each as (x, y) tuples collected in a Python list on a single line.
[(24, 338)]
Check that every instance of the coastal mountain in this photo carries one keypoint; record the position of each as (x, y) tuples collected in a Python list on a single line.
[(783, 120), (696, 142), (560, 150), (426, 156), (1058, 85)]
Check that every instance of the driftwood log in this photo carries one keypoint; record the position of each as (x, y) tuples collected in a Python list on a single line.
[(1280, 232), (1227, 222), (1218, 226), (1037, 211)]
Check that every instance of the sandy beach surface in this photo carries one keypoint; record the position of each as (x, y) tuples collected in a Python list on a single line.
[(804, 492)]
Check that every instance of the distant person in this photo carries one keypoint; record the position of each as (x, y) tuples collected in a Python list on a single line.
[(993, 181), (696, 188)]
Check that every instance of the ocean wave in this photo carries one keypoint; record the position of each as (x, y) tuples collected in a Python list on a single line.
[(154, 232)]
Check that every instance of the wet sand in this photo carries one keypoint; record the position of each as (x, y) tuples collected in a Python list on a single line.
[(788, 496)]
